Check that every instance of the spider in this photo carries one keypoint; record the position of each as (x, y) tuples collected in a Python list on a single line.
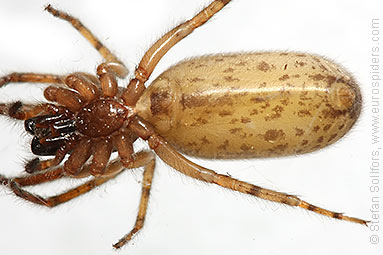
[(91, 116)]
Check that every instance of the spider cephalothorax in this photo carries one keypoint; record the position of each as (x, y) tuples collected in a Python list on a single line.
[(95, 128), (90, 120)]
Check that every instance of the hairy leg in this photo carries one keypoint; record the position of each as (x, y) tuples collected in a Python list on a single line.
[(113, 169), (22, 111), (170, 156), (65, 97), (34, 179), (85, 84), (80, 154), (152, 56), (113, 62), (31, 77), (36, 165), (101, 151), (149, 162)]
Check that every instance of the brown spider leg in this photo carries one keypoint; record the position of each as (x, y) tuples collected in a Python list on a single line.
[(85, 84), (171, 157), (34, 179), (113, 169), (107, 79), (36, 165), (21, 111), (31, 77), (101, 151), (113, 62), (124, 144), (152, 56), (78, 157), (61, 198), (149, 162), (65, 97)]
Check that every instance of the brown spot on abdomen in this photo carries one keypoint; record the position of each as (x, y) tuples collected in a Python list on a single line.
[(273, 135), (299, 132), (245, 120), (284, 77), (160, 102), (263, 66), (224, 113)]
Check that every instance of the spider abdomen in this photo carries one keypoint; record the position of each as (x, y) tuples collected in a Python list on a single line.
[(263, 104), (101, 118)]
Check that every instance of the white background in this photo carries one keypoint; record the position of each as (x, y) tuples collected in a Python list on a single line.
[(186, 216)]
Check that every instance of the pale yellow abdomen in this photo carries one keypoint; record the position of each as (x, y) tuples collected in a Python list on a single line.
[(252, 104)]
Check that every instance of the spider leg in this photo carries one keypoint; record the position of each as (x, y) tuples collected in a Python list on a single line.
[(37, 165), (110, 58), (101, 151), (152, 56), (80, 154), (113, 169), (124, 145), (61, 198), (171, 157), (20, 111), (65, 97), (31, 77), (34, 179), (85, 84), (149, 160)]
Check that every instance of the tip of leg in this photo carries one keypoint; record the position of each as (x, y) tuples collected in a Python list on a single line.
[(3, 180), (356, 220), (117, 245), (120, 243), (47, 7), (32, 166), (14, 108), (4, 80), (51, 10)]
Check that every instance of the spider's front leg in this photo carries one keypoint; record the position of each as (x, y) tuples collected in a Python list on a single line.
[(84, 84), (107, 71), (22, 112), (30, 77), (86, 33)]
